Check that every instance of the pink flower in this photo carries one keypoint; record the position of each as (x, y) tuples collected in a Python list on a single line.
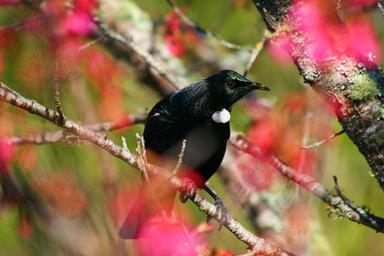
[(6, 153), (78, 23), (362, 41), (327, 36), (168, 236), (280, 47)]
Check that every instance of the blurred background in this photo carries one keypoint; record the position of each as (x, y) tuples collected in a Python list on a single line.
[(69, 198)]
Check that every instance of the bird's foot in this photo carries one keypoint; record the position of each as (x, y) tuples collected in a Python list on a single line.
[(188, 190), (222, 214)]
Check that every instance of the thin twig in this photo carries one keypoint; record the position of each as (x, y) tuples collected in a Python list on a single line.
[(8, 95), (321, 142), (124, 141), (57, 92), (142, 159), (348, 202), (180, 157), (205, 32), (255, 52), (89, 44)]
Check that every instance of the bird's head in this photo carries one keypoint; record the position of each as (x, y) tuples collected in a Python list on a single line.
[(228, 86)]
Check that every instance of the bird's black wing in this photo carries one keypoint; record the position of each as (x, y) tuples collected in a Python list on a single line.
[(166, 127)]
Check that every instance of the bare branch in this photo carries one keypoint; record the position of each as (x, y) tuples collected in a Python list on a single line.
[(142, 157), (255, 52), (57, 92), (321, 142), (180, 157), (344, 207), (62, 137), (124, 141), (124, 46), (259, 245), (14, 98)]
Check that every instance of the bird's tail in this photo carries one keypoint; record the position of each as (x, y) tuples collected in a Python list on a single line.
[(153, 198), (136, 216)]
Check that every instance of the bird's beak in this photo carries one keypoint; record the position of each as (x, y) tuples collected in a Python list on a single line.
[(246, 88), (258, 86)]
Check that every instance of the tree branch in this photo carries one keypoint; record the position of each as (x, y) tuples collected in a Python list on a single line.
[(254, 53), (62, 137), (341, 204), (257, 244), (123, 46), (323, 141), (57, 91)]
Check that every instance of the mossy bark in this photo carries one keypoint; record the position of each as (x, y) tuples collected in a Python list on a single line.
[(356, 88)]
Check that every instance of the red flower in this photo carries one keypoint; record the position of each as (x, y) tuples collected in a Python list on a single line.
[(179, 36), (265, 133), (173, 35), (85, 5)]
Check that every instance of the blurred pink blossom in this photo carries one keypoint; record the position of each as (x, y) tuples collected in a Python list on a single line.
[(6, 153), (78, 23), (280, 48), (167, 236), (327, 36), (331, 37), (362, 40)]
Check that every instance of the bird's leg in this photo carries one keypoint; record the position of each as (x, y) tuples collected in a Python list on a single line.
[(221, 212), (188, 189)]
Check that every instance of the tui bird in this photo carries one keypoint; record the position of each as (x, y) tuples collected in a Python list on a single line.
[(199, 115)]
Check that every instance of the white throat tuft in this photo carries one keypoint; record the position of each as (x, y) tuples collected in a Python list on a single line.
[(222, 116)]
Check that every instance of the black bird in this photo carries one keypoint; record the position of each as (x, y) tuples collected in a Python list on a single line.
[(198, 114)]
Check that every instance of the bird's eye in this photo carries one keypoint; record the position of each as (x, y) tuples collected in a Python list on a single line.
[(232, 83)]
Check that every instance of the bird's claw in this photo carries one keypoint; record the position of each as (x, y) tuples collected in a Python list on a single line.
[(188, 190), (222, 214)]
